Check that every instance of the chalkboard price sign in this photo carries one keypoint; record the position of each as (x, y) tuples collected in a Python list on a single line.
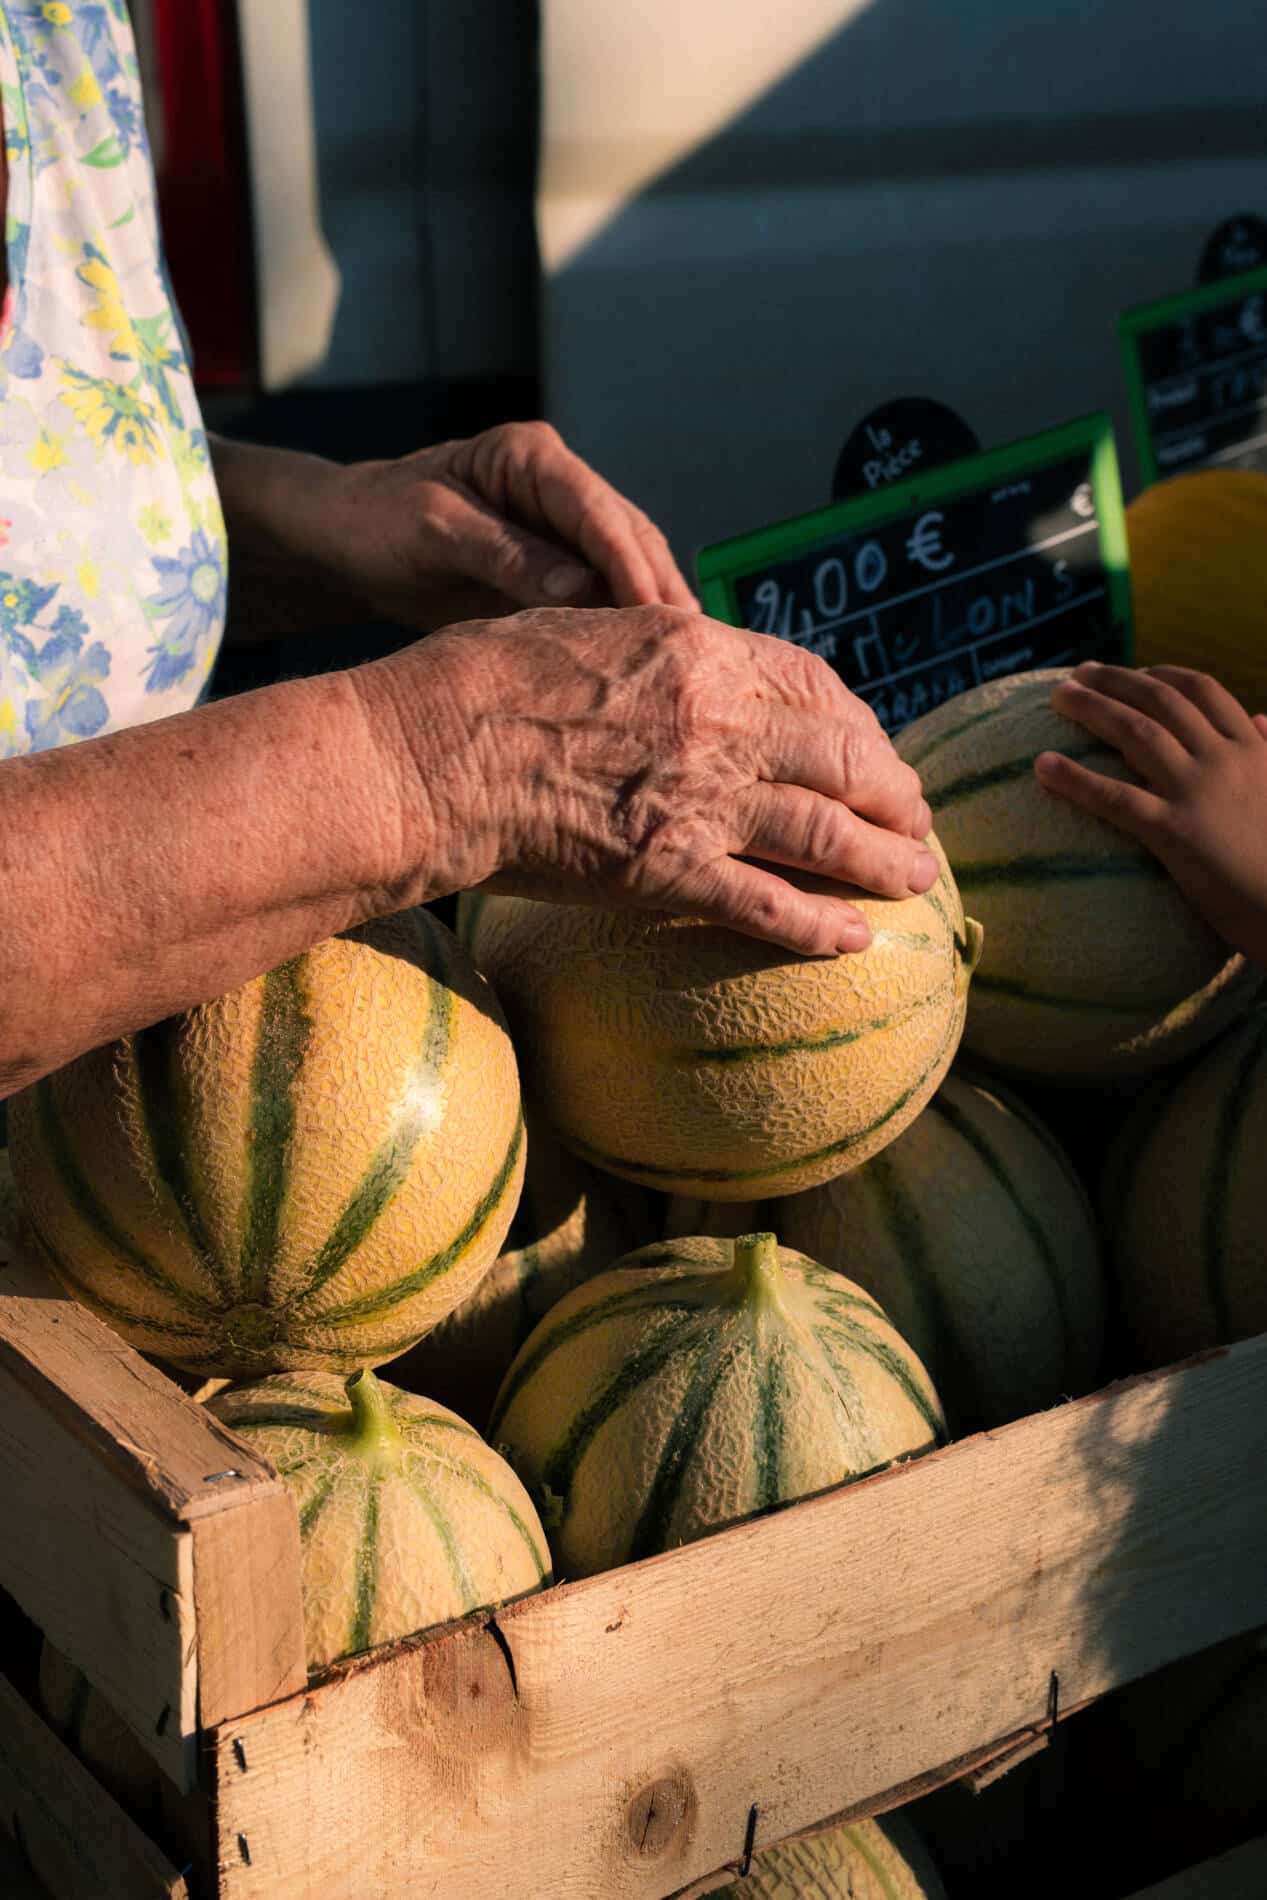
[(1196, 369), (993, 564)]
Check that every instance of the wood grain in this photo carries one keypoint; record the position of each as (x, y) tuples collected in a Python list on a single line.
[(123, 1503), (76, 1840), (608, 1738)]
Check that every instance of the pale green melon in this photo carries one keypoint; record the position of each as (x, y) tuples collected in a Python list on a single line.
[(696, 1383)]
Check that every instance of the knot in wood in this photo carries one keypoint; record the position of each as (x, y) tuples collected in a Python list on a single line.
[(658, 1813)]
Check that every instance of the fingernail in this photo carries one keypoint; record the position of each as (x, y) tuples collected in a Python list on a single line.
[(924, 873), (1088, 666), (562, 582), (853, 937)]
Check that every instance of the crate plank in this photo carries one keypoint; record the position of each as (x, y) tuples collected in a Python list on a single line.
[(76, 1840), (1239, 1875), (124, 1503), (608, 1739)]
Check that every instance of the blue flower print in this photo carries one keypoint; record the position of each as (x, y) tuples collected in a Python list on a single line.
[(20, 601), (191, 599), (70, 675)]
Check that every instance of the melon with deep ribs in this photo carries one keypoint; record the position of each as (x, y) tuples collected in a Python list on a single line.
[(407, 1517), (696, 1383), (1094, 965), (697, 1061), (308, 1172)]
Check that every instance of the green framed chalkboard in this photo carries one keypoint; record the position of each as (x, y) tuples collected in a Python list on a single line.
[(1196, 376), (996, 563)]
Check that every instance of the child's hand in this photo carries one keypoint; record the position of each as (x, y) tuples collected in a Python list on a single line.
[(1201, 806)]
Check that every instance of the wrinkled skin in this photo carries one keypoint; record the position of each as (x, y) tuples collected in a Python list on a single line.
[(641, 757)]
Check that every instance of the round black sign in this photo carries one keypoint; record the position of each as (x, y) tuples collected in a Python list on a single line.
[(1239, 244), (897, 440)]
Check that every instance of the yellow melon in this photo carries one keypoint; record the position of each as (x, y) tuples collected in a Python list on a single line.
[(694, 1060), (408, 1518), (697, 1382), (867, 1860), (1094, 965), (308, 1172), (1198, 547), (571, 1222), (975, 1236)]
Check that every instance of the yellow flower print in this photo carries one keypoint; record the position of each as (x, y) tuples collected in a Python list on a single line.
[(112, 415), (85, 92), (56, 12), (108, 313), (47, 452), (8, 719)]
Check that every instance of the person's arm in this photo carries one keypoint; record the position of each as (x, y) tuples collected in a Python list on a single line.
[(632, 758), (1201, 803), (508, 519)]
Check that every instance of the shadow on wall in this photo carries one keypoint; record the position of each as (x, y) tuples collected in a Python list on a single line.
[(950, 201)]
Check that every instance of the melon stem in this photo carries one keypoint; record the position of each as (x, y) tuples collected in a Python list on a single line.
[(373, 1424), (756, 1278)]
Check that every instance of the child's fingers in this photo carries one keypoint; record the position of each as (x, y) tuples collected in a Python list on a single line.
[(1153, 698), (1129, 808), (1223, 710), (1151, 751), (1260, 720)]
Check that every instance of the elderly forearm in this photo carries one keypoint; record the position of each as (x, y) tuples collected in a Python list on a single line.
[(275, 502), (155, 868)]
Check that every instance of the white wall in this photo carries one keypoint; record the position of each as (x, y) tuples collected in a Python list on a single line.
[(760, 220)]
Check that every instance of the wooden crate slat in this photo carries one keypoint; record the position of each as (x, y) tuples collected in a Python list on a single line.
[(1239, 1875), (609, 1738), (80, 1843), (113, 1479)]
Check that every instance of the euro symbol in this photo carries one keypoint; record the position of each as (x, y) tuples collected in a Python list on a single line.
[(924, 545)]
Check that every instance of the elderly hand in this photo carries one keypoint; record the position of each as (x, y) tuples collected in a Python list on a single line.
[(508, 519), (644, 757)]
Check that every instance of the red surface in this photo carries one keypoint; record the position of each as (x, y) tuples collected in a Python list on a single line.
[(203, 193)]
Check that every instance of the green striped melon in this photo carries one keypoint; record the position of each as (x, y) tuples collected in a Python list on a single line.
[(407, 1517), (867, 1860), (571, 1222), (974, 1234), (694, 1060), (99, 1738), (1094, 965), (308, 1172), (697, 1382), (1184, 1207)]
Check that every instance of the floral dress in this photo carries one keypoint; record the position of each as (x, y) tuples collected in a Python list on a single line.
[(112, 550)]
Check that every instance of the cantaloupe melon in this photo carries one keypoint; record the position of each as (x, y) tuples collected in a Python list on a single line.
[(571, 1222), (308, 1172), (1199, 577), (701, 1062), (867, 1860), (975, 1236), (697, 1382), (408, 1518), (1184, 1207), (1094, 965)]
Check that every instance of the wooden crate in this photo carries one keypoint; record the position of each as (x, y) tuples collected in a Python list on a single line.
[(627, 1735)]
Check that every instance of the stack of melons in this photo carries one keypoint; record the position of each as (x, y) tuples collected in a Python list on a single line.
[(291, 1185), (316, 1176)]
